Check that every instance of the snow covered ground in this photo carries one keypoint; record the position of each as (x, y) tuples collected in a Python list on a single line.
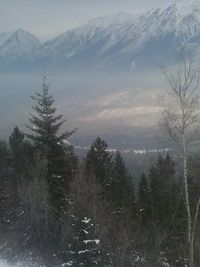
[(3, 264)]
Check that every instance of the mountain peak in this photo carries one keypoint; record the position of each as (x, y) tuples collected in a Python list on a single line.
[(23, 33), (16, 43), (20, 30), (109, 20)]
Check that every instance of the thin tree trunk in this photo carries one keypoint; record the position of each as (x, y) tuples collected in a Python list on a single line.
[(191, 254), (193, 234), (187, 203)]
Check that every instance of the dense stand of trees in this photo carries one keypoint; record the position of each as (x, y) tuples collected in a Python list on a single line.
[(90, 212)]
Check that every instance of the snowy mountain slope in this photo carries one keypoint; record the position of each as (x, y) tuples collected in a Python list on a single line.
[(78, 40), (122, 41), (16, 44), (186, 7), (4, 37)]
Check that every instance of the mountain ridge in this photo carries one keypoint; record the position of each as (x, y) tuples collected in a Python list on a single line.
[(121, 41)]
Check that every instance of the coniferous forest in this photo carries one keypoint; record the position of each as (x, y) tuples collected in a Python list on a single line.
[(64, 210)]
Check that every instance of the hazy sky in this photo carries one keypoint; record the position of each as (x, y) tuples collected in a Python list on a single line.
[(47, 18)]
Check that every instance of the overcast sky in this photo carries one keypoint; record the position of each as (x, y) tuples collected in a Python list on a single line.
[(47, 18)]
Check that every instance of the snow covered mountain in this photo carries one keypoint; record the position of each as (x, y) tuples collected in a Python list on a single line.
[(14, 45), (122, 41)]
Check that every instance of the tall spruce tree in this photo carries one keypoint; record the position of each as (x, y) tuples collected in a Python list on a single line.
[(161, 178), (16, 142), (144, 199), (4, 175), (85, 244), (122, 184), (21, 156), (4, 160), (46, 137), (99, 162)]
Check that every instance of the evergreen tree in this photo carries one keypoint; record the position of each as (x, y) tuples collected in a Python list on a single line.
[(4, 161), (21, 156), (16, 142), (85, 244), (122, 184), (99, 162), (161, 180), (4, 177), (144, 199), (46, 137)]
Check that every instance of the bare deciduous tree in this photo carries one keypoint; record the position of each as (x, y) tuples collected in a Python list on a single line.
[(180, 120)]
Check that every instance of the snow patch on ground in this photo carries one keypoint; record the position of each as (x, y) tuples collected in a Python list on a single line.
[(5, 264)]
